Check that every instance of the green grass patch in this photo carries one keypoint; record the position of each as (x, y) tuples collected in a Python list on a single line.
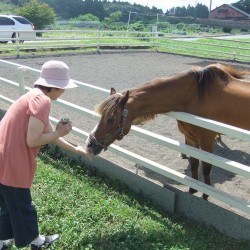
[(91, 213), (223, 49)]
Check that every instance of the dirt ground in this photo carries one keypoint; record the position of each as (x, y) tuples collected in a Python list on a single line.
[(123, 71)]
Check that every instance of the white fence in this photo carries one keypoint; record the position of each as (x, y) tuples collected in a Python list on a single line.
[(223, 163), (236, 50)]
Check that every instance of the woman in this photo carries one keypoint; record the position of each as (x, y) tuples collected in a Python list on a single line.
[(23, 130)]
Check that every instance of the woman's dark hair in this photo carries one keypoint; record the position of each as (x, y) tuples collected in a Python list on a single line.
[(47, 89)]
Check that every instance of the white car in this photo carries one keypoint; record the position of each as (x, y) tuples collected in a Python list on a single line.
[(10, 25)]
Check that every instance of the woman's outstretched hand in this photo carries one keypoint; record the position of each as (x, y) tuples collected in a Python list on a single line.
[(80, 150)]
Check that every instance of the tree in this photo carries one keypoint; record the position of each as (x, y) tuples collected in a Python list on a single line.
[(87, 17), (115, 16), (40, 14), (190, 10), (201, 11), (94, 7), (243, 5), (19, 2), (66, 8)]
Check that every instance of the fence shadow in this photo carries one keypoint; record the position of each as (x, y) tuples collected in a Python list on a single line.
[(219, 175)]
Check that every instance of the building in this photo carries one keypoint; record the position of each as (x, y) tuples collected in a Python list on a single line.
[(228, 11)]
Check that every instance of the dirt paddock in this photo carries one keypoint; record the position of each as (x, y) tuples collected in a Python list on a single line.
[(125, 70)]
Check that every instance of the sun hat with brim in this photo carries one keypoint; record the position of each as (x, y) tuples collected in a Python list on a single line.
[(55, 74)]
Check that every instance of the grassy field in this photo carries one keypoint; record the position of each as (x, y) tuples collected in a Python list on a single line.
[(92, 214), (224, 49)]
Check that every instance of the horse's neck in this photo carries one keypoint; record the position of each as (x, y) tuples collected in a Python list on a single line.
[(163, 95)]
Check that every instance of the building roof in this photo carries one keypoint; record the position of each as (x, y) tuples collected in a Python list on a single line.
[(235, 8), (239, 10)]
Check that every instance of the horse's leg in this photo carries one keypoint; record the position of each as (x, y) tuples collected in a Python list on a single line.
[(194, 165), (191, 140), (206, 169), (206, 143), (193, 162), (184, 156)]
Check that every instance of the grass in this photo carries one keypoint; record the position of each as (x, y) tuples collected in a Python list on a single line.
[(91, 213), (224, 49)]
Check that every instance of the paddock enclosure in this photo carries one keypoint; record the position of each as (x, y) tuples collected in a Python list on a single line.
[(125, 70)]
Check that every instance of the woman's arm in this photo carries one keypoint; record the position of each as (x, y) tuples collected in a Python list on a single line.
[(36, 137)]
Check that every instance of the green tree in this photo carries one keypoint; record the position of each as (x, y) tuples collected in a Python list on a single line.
[(19, 2), (115, 16), (87, 17), (201, 11), (66, 8), (190, 10), (138, 26), (243, 5), (94, 7), (40, 14)]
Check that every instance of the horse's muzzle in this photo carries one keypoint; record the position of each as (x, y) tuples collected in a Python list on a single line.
[(93, 146)]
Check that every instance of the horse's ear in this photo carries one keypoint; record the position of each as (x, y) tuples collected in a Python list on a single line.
[(124, 98), (112, 91)]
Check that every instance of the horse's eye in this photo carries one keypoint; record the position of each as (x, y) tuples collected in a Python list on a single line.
[(110, 120)]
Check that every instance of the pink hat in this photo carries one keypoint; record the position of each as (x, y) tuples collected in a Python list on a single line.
[(55, 74)]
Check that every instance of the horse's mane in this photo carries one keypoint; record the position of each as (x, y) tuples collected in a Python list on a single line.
[(108, 106), (215, 72), (236, 73)]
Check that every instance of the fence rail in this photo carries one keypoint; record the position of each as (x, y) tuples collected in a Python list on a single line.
[(236, 50), (221, 162)]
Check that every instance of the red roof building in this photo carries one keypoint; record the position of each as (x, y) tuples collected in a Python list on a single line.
[(228, 11)]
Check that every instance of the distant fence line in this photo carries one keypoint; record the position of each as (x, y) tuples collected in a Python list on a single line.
[(224, 23), (78, 24), (233, 24), (225, 49)]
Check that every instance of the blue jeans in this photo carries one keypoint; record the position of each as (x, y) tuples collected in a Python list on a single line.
[(18, 217)]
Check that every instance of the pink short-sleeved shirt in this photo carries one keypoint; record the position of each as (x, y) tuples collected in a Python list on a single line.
[(17, 160)]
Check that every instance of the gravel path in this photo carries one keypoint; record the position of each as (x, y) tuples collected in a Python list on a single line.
[(125, 70)]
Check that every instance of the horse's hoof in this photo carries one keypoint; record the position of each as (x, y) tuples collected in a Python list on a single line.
[(205, 197), (192, 191), (183, 156)]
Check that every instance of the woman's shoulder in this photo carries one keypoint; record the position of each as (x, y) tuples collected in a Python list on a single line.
[(38, 94)]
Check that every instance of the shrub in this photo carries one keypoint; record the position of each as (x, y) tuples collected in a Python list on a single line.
[(87, 17), (40, 14), (227, 30)]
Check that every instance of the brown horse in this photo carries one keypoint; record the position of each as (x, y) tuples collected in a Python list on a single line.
[(215, 92)]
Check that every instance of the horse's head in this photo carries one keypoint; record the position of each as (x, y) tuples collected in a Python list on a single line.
[(115, 122)]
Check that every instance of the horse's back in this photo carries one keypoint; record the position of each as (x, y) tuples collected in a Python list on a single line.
[(231, 105)]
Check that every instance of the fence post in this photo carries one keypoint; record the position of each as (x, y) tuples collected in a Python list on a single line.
[(98, 40), (235, 50), (21, 81), (17, 44)]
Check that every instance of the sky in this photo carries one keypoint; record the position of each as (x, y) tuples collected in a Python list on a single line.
[(168, 4)]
